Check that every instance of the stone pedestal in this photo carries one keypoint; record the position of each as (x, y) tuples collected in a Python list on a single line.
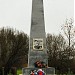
[(48, 71)]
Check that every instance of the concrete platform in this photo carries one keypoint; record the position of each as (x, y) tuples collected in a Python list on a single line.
[(48, 71)]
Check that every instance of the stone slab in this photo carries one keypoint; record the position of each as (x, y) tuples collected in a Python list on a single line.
[(48, 71)]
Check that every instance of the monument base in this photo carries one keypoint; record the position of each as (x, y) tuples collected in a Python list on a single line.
[(48, 71)]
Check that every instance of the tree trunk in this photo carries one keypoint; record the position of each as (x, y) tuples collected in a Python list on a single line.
[(6, 71)]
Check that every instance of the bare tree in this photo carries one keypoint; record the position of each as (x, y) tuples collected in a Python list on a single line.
[(55, 46), (14, 48), (69, 31)]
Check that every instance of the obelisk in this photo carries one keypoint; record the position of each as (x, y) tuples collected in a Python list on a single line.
[(38, 49), (37, 41)]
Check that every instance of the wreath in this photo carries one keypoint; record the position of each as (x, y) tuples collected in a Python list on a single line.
[(40, 64)]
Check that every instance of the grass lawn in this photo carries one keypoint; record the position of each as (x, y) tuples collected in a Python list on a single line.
[(19, 71)]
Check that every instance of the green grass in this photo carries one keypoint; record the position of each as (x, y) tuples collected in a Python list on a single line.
[(19, 71)]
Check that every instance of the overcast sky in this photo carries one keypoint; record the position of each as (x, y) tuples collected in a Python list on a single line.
[(17, 14)]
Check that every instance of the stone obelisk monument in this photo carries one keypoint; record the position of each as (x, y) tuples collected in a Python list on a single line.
[(37, 41), (38, 49)]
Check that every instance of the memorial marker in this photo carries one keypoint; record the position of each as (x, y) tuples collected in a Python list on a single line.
[(37, 56)]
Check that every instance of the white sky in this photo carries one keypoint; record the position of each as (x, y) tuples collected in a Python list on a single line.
[(17, 14)]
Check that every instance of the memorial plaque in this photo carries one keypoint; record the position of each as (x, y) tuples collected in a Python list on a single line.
[(37, 44)]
